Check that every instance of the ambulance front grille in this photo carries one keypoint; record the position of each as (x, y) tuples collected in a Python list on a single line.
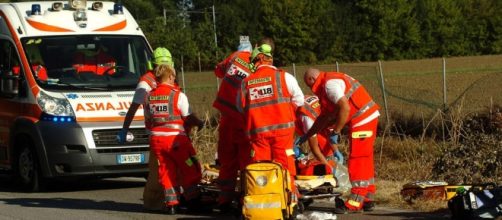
[(107, 138)]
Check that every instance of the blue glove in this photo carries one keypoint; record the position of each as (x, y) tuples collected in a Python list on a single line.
[(121, 136), (339, 157), (334, 138), (300, 140), (297, 151)]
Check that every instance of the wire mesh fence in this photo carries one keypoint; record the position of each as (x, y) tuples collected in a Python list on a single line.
[(411, 87)]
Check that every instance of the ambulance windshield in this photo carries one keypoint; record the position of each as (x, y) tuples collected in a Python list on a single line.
[(108, 62)]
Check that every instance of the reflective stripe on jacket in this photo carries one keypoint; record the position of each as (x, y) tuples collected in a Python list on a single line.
[(361, 103), (311, 109), (97, 64), (150, 79), (161, 112), (268, 108)]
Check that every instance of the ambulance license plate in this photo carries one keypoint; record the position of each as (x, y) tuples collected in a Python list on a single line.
[(130, 158)]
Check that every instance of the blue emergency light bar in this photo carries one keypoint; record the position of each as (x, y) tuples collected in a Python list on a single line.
[(35, 9), (118, 8), (57, 119)]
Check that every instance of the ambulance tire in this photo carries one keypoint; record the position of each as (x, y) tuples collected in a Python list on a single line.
[(28, 169)]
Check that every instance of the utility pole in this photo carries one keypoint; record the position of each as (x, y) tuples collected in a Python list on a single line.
[(215, 44), (214, 26)]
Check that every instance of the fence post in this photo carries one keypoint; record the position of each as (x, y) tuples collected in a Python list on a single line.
[(200, 69), (383, 93), (337, 67), (183, 75), (445, 103), (294, 70)]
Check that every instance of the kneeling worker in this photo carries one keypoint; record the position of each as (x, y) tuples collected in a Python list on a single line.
[(167, 111)]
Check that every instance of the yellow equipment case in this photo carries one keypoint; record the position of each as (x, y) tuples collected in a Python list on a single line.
[(267, 192)]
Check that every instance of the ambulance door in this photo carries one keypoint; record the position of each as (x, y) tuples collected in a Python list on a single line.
[(11, 74)]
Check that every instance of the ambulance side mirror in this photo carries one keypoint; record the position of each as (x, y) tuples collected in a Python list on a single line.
[(9, 84)]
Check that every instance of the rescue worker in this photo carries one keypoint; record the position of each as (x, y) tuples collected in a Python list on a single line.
[(344, 101), (153, 195), (36, 62), (233, 149), (168, 114), (320, 146), (94, 60), (270, 97)]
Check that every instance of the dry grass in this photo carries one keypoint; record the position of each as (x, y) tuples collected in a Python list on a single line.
[(408, 148)]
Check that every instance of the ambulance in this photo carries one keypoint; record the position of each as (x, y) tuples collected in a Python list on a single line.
[(68, 70)]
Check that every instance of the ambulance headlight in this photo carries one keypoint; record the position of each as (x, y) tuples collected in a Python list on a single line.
[(53, 105), (78, 4)]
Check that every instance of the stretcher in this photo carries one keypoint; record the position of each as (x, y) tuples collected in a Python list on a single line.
[(311, 188)]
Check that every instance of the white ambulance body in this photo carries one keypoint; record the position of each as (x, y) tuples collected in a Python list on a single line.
[(68, 71)]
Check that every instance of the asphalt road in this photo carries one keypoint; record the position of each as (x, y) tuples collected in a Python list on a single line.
[(120, 198)]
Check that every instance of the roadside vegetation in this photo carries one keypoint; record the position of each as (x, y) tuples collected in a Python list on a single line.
[(460, 145)]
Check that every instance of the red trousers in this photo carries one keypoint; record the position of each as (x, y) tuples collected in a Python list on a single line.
[(361, 166), (233, 154), (278, 149), (176, 153)]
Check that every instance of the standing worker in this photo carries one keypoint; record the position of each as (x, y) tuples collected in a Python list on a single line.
[(233, 148), (168, 113), (153, 195), (344, 101), (320, 146), (270, 97)]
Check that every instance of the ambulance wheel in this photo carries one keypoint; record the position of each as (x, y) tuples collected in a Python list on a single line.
[(28, 169)]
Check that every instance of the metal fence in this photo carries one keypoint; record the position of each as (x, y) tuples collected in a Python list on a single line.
[(401, 88)]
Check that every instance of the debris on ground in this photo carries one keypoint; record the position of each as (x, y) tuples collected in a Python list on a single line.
[(316, 216)]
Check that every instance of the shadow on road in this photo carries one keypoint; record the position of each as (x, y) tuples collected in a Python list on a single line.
[(409, 215), (67, 203), (80, 184)]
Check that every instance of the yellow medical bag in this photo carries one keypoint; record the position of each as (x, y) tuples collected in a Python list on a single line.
[(267, 191)]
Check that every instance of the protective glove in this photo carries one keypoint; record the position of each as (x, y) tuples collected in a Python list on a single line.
[(338, 157), (300, 140), (297, 151), (334, 138), (121, 136)]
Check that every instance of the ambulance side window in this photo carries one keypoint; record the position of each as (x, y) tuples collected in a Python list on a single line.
[(10, 64)]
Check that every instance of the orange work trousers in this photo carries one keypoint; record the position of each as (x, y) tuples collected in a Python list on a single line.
[(176, 153), (361, 166), (278, 149), (234, 153)]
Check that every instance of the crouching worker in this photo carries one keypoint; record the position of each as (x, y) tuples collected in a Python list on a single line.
[(324, 152), (168, 113)]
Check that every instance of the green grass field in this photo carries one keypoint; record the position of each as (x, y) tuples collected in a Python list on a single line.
[(412, 86)]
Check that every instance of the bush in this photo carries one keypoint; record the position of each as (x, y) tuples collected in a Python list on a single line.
[(477, 156)]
